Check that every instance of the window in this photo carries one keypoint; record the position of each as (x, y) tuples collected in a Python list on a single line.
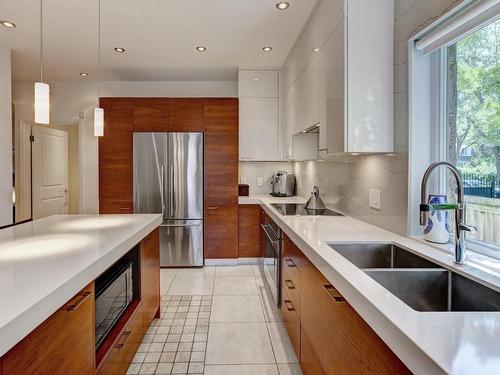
[(455, 116), (472, 97)]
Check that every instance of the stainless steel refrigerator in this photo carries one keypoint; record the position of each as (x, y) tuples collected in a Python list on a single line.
[(168, 179)]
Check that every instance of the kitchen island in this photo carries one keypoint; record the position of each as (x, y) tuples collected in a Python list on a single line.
[(50, 265)]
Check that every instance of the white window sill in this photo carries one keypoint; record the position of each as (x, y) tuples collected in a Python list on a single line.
[(474, 259)]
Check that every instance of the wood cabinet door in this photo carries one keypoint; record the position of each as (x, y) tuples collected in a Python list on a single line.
[(150, 277), (308, 361), (151, 115), (115, 157), (341, 339), (221, 168), (249, 230), (125, 346), (186, 115), (221, 231), (221, 115), (62, 344), (288, 312)]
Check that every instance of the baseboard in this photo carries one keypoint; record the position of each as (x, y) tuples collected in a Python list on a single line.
[(233, 261)]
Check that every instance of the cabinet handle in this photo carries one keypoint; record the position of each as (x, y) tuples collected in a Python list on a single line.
[(124, 208), (334, 293), (211, 208), (74, 306), (290, 263), (289, 284), (289, 305), (125, 335)]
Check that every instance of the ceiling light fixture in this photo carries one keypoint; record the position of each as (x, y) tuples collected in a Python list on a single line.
[(99, 112), (42, 90), (84, 74), (316, 49), (201, 49), (120, 49), (282, 5), (8, 24), (267, 49)]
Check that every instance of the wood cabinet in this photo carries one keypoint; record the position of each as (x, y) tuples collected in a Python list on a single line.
[(259, 115), (63, 344), (186, 115), (249, 231), (125, 345), (309, 362), (221, 231), (340, 339), (151, 114), (150, 277), (115, 157)]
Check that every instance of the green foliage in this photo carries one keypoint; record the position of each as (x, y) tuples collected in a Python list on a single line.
[(478, 99)]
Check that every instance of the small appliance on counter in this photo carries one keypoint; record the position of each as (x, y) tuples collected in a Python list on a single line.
[(283, 184), (315, 202), (243, 190)]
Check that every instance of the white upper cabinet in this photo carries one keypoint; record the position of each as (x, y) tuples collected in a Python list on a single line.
[(259, 132), (345, 55)]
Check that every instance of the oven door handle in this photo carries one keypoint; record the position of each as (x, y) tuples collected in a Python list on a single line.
[(270, 235)]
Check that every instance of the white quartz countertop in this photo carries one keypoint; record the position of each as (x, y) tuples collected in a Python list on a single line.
[(44, 263), (427, 342)]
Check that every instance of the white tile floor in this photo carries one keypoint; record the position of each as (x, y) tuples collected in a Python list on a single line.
[(216, 321)]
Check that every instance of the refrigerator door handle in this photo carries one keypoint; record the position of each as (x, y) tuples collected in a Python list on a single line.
[(180, 225), (162, 189), (171, 192)]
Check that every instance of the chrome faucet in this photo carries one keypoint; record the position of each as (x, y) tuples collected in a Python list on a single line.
[(460, 226)]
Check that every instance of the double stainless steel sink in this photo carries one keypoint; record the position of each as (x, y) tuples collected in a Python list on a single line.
[(420, 283)]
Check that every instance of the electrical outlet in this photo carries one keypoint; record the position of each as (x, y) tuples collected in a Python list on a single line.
[(243, 180), (260, 181), (374, 199)]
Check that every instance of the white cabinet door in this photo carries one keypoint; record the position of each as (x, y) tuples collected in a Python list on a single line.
[(332, 93), (259, 129), (258, 84)]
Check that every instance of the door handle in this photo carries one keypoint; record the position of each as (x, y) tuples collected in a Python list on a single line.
[(288, 305), (180, 225), (74, 306), (289, 284), (162, 188), (211, 208), (290, 263), (123, 338), (171, 192)]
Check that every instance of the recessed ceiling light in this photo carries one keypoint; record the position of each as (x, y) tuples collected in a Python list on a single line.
[(267, 49), (282, 5), (201, 49), (120, 49), (8, 24), (256, 79), (316, 49), (84, 74)]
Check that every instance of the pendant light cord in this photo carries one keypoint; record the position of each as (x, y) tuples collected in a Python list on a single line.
[(99, 54), (41, 40)]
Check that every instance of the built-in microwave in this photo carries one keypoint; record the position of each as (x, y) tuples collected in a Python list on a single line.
[(114, 293)]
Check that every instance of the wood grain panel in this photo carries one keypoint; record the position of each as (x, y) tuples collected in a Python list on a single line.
[(221, 231), (186, 115), (308, 361), (221, 168), (249, 230), (341, 339), (292, 321), (150, 277), (151, 115), (115, 157), (125, 346), (221, 115), (62, 344)]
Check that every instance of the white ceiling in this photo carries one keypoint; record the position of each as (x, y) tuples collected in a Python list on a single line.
[(159, 36)]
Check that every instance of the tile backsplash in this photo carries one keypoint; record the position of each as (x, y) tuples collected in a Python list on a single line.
[(252, 171)]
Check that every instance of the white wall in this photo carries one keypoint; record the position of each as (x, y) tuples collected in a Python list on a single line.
[(70, 98), (5, 138)]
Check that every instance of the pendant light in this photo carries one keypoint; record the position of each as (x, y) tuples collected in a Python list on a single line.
[(42, 90), (99, 112)]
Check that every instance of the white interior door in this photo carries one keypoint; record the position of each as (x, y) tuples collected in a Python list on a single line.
[(49, 171)]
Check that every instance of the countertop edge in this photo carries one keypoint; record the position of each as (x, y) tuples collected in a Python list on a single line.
[(15, 330)]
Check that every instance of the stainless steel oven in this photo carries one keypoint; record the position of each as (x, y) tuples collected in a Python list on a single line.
[(272, 258), (114, 293)]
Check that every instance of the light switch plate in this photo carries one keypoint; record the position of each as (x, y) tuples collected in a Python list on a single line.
[(260, 181), (374, 199), (243, 180)]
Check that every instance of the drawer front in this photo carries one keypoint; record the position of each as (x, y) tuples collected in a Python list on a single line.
[(62, 344), (125, 346), (291, 320), (309, 362), (291, 284)]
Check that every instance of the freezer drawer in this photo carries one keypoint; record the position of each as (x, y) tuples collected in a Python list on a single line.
[(181, 243)]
